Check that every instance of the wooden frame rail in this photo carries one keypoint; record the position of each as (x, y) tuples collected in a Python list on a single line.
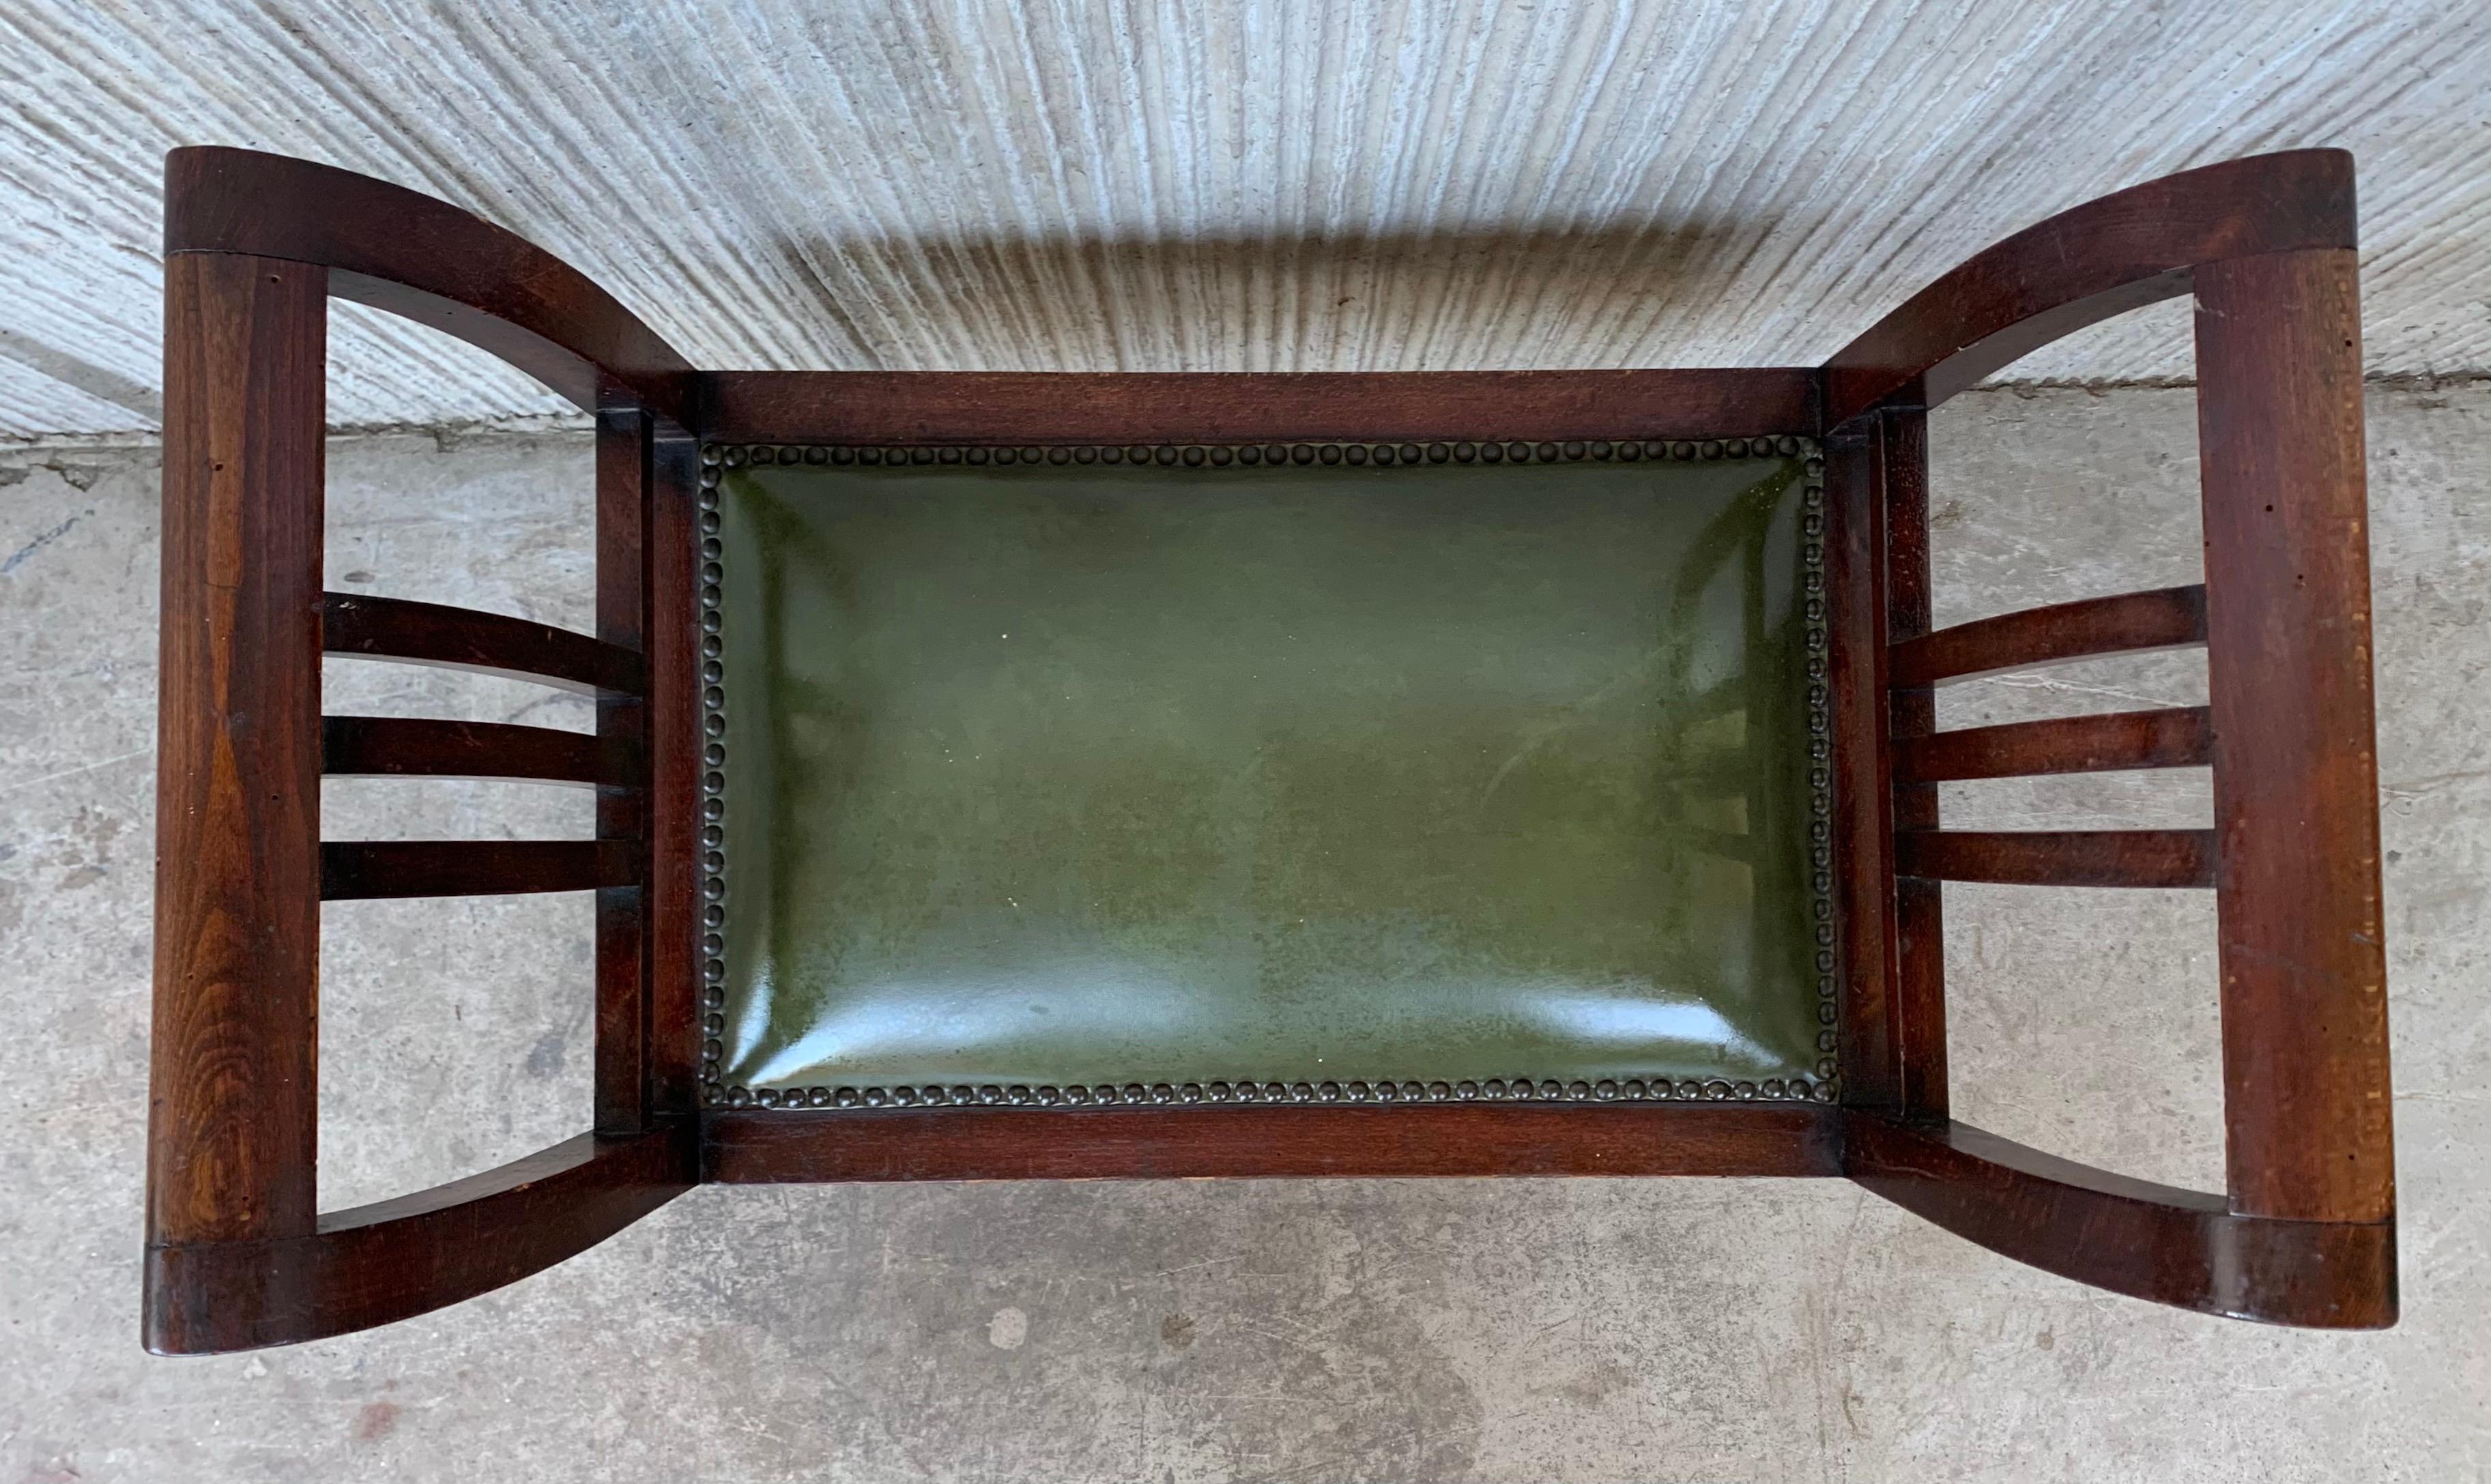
[(239, 1255)]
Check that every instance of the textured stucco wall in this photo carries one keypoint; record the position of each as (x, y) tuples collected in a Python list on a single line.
[(1504, 1330), (1218, 184)]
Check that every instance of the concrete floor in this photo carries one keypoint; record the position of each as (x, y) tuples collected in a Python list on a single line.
[(1520, 1331)]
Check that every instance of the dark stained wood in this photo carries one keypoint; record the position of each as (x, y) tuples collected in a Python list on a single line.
[(1439, 1139), (2150, 1242), (1862, 836), (375, 1263), (383, 746), (232, 1114), (2303, 964), (673, 903), (465, 639), (1918, 964), (2059, 858), (2167, 618), (1039, 407), (236, 1257), (362, 869), (404, 251), (2119, 253), (2172, 736), (622, 1041)]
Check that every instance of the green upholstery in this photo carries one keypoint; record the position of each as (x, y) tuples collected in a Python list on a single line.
[(1062, 775)]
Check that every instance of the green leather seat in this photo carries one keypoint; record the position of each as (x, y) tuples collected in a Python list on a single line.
[(1217, 780)]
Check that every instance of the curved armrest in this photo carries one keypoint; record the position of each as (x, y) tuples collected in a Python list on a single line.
[(404, 251), (2127, 249)]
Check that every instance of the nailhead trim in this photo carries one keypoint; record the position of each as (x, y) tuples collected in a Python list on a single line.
[(718, 458)]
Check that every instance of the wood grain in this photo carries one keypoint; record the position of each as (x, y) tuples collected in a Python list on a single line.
[(1451, 1139), (621, 1023), (1018, 407), (2307, 1098), (673, 903), (396, 629), (375, 1263), (2157, 1242), (2119, 253), (234, 1061), (2170, 737), (1918, 990), (1863, 824), (426, 260), (407, 746), (362, 869), (2166, 617), (2059, 858)]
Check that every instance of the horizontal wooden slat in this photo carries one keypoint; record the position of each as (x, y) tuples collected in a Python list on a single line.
[(2175, 737), (2072, 857), (2161, 619), (354, 869), (465, 639), (397, 746)]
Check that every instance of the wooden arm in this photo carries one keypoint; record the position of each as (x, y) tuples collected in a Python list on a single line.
[(2304, 1231), (2127, 250), (424, 260), (238, 1254)]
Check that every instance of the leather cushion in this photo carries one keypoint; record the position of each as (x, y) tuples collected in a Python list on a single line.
[(1109, 774)]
